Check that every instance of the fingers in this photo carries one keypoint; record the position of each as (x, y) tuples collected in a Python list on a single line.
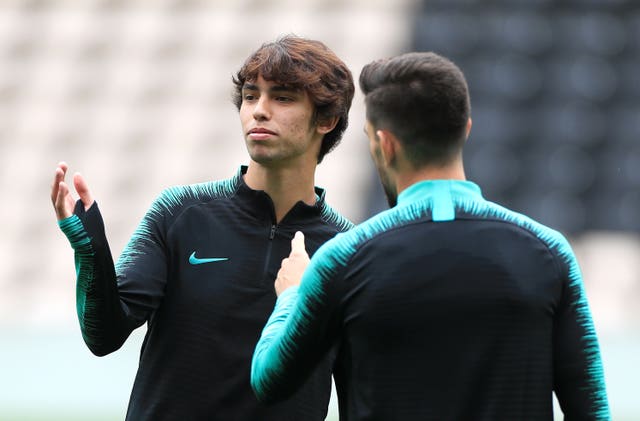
[(297, 244), (61, 197), (292, 267), (61, 202), (83, 190), (287, 277), (282, 272), (61, 171)]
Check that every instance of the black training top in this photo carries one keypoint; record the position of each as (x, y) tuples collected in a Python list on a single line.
[(446, 307), (199, 271)]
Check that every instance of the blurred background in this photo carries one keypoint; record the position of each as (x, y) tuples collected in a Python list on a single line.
[(136, 96)]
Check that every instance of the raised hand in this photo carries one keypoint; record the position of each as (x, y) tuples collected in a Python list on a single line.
[(292, 267), (61, 197)]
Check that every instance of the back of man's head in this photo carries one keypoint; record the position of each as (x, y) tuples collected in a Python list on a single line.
[(306, 64), (423, 99)]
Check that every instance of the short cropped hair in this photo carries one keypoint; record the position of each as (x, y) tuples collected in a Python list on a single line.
[(308, 65), (423, 99)]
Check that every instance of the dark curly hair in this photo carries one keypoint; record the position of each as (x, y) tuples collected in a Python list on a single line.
[(306, 64)]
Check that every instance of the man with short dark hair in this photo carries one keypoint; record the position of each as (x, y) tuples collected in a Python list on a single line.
[(200, 268), (445, 307)]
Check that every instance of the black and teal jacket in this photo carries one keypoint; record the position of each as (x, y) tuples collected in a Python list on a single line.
[(199, 271), (446, 307)]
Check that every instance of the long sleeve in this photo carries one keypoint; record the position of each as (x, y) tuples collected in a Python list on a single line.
[(298, 333), (578, 371), (261, 370), (103, 321)]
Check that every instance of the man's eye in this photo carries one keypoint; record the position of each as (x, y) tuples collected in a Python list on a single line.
[(248, 97), (284, 99)]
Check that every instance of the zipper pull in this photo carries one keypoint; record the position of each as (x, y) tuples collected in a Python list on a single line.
[(272, 234)]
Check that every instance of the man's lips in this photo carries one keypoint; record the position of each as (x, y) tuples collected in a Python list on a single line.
[(260, 134)]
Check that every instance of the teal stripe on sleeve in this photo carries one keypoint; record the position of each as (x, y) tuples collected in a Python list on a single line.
[(84, 263), (74, 230), (264, 363)]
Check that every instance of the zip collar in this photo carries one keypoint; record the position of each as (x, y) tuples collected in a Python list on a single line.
[(257, 201), (442, 194)]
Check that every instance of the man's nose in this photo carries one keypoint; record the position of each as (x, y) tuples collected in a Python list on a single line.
[(262, 111)]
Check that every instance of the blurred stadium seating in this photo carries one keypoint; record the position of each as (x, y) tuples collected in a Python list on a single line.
[(554, 88)]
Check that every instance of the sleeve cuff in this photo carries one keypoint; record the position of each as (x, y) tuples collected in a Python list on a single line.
[(74, 230), (288, 296)]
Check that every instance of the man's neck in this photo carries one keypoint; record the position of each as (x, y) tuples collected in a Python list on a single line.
[(453, 171), (285, 185)]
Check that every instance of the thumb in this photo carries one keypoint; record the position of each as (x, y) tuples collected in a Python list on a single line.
[(83, 190), (297, 244)]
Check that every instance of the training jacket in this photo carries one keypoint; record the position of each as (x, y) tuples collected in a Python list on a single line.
[(199, 270), (446, 307)]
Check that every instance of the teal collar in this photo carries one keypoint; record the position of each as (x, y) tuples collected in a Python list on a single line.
[(442, 194)]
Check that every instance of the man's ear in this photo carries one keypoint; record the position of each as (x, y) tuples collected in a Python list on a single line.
[(468, 129), (324, 126), (389, 147)]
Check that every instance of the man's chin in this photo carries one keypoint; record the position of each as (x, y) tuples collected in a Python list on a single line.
[(262, 158)]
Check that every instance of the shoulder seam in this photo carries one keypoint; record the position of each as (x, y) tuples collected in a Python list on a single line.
[(330, 216), (198, 193), (524, 223)]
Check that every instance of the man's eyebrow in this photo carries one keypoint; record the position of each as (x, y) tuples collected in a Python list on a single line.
[(273, 88), (283, 88)]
